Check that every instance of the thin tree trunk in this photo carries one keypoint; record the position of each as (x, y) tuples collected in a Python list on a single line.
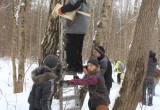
[(138, 57), (19, 86), (14, 50)]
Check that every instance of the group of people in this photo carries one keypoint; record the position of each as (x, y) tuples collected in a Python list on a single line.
[(98, 79), (98, 72)]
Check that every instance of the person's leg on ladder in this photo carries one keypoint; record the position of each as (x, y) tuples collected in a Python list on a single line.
[(79, 53), (72, 48), (71, 56)]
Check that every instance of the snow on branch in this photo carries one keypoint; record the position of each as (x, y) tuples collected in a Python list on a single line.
[(17, 10)]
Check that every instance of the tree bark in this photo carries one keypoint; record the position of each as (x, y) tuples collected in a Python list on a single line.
[(138, 57), (103, 30), (50, 41), (19, 86), (14, 50)]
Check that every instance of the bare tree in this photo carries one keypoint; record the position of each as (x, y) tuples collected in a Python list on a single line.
[(138, 57), (14, 49), (18, 80), (49, 43)]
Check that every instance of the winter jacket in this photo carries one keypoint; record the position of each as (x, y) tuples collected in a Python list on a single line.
[(119, 67), (97, 89), (80, 23), (151, 68), (106, 69), (98, 93), (43, 89)]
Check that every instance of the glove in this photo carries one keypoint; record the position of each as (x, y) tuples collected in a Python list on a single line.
[(76, 77), (63, 82), (60, 12)]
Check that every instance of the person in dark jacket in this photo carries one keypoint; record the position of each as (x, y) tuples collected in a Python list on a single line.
[(105, 65), (99, 97), (75, 31), (148, 83), (44, 85)]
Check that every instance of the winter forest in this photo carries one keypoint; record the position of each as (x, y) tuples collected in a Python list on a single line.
[(127, 29)]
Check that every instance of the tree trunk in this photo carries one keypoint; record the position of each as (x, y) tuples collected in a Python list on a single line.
[(158, 39), (19, 86), (51, 38), (14, 50), (138, 57), (103, 30)]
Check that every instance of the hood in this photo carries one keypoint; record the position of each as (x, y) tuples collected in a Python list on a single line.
[(41, 78)]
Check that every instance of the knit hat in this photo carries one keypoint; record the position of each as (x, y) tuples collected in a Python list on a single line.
[(152, 53), (100, 49), (51, 61), (94, 61)]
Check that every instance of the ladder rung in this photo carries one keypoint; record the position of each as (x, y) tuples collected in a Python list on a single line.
[(67, 86), (70, 73), (74, 108), (71, 97)]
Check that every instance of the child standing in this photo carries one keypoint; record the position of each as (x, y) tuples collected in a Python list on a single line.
[(44, 86), (99, 98)]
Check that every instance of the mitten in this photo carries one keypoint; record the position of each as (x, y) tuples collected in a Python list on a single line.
[(76, 77), (60, 12), (63, 82)]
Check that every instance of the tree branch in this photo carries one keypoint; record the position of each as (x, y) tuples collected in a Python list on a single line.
[(3, 6)]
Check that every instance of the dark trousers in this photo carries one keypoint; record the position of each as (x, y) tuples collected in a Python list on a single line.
[(119, 78), (90, 107), (32, 108), (148, 86), (74, 50), (109, 87)]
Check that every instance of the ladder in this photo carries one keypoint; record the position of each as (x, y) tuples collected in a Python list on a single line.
[(63, 98), (66, 98)]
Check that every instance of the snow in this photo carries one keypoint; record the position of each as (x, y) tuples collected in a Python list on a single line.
[(10, 101)]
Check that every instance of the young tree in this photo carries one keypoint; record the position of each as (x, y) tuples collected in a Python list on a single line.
[(14, 49), (18, 80), (138, 57)]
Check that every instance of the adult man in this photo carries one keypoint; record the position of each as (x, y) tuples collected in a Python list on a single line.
[(105, 66)]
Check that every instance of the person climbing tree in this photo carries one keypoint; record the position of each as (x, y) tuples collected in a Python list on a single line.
[(75, 31)]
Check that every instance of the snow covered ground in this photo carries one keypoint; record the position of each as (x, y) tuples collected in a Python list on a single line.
[(10, 101)]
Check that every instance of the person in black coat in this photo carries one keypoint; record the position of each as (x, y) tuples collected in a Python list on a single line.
[(44, 85), (105, 66), (148, 83)]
